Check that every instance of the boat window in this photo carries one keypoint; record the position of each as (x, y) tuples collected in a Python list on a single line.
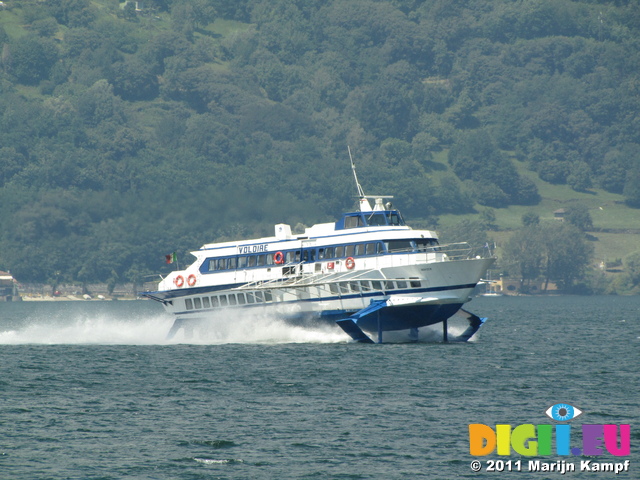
[(293, 256), (339, 251), (241, 299), (214, 302), (250, 297), (267, 296), (353, 221), (344, 288), (399, 246), (415, 282), (259, 297), (329, 252), (232, 299), (376, 285), (334, 288), (212, 264), (365, 286), (401, 284), (370, 249), (360, 249), (424, 244), (262, 260), (252, 261), (388, 285), (188, 304), (350, 250), (205, 302), (233, 263), (394, 219), (270, 260), (197, 303), (354, 287), (242, 261), (223, 300), (376, 220), (222, 264), (320, 253)]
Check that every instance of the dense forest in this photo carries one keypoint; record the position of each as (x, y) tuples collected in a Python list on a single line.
[(129, 133)]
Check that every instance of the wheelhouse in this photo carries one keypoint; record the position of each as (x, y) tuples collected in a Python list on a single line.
[(376, 218)]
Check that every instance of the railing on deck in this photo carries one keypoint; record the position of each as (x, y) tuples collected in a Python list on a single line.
[(453, 251)]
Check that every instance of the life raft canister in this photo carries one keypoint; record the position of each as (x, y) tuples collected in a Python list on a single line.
[(178, 281), (278, 258), (350, 263), (331, 265), (191, 280)]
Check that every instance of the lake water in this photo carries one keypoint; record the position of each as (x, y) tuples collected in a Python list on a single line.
[(92, 390)]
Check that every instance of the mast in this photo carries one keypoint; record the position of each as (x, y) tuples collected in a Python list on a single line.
[(363, 201), (353, 167)]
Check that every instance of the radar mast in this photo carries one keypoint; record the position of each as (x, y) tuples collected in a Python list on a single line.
[(363, 201)]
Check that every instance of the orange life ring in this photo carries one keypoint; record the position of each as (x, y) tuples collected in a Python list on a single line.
[(191, 280), (278, 258), (350, 263), (178, 281)]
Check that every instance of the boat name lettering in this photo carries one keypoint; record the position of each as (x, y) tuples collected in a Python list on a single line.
[(252, 248)]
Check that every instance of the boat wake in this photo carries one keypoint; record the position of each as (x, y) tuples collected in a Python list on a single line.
[(233, 327), (152, 330)]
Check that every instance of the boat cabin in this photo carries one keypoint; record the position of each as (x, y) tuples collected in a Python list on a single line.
[(386, 218)]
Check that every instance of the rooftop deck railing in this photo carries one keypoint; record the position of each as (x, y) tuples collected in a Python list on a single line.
[(453, 251)]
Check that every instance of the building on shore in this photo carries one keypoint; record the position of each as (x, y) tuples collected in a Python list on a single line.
[(8, 288)]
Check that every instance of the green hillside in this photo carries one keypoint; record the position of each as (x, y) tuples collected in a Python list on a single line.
[(129, 134)]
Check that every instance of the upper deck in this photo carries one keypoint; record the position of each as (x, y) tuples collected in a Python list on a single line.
[(352, 226)]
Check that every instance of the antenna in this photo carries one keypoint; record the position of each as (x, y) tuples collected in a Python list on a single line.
[(365, 206), (353, 167)]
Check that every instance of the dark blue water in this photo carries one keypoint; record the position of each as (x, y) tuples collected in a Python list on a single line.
[(92, 391)]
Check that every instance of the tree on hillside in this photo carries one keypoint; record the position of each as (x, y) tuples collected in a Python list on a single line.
[(523, 256), (73, 13), (632, 188), (580, 177), (31, 58), (579, 216), (388, 107), (493, 177), (556, 252), (567, 254), (530, 219)]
